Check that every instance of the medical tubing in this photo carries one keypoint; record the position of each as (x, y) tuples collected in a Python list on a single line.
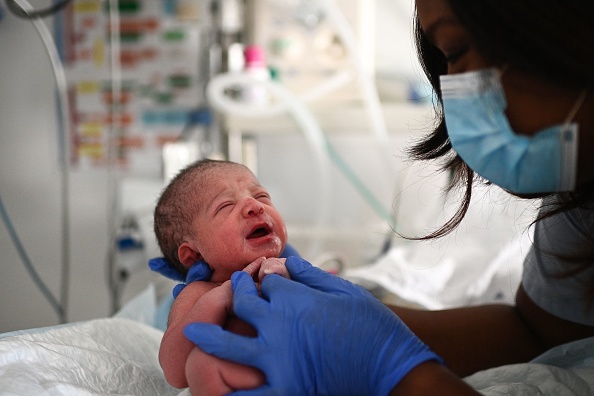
[(371, 101), (113, 280), (376, 205), (290, 103), (63, 110), (27, 262), (329, 85), (310, 128), (20, 12), (218, 99), (367, 85), (316, 139)]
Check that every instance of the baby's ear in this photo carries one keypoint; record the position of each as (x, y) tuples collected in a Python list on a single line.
[(187, 255)]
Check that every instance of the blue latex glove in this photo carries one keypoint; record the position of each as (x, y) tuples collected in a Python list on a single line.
[(200, 271), (317, 334), (289, 251)]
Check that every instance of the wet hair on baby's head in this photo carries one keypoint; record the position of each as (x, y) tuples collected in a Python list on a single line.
[(176, 207)]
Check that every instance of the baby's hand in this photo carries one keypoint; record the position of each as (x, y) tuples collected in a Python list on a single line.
[(273, 266), (263, 266), (253, 267)]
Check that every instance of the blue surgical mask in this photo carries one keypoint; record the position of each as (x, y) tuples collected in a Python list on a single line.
[(474, 106)]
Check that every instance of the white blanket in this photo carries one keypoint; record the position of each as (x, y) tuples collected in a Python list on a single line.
[(118, 356), (112, 356), (562, 371)]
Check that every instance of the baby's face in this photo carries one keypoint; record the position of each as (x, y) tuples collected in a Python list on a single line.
[(236, 221)]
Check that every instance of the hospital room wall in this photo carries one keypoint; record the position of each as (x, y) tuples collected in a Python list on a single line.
[(30, 189), (30, 186)]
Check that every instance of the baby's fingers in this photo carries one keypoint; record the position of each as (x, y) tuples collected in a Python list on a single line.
[(253, 267), (273, 266)]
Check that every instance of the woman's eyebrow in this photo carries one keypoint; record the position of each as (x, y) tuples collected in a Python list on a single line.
[(431, 30)]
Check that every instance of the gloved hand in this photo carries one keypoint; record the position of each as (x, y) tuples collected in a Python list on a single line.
[(200, 271), (317, 334)]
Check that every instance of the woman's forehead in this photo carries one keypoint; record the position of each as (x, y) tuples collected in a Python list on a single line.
[(434, 13)]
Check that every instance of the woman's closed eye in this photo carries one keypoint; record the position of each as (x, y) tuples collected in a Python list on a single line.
[(454, 56)]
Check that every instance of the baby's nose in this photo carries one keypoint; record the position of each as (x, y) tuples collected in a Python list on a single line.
[(252, 207)]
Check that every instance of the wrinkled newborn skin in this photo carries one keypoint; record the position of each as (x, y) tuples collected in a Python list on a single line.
[(186, 365)]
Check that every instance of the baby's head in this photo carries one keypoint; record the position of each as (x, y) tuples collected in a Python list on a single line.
[(217, 211)]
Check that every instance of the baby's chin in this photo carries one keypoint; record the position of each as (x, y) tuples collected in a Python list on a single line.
[(268, 251), (271, 252), (251, 258), (224, 272)]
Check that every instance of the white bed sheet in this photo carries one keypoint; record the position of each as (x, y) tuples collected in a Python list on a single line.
[(562, 371), (118, 356), (112, 356)]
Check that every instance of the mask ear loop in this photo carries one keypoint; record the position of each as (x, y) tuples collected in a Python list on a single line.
[(569, 144), (576, 107)]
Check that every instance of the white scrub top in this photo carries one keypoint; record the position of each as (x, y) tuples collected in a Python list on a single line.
[(563, 243)]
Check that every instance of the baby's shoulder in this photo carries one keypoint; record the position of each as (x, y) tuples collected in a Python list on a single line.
[(197, 289), (187, 298)]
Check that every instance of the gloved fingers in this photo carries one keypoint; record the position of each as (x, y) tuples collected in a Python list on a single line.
[(162, 266), (264, 390), (214, 340), (289, 251), (199, 271), (178, 289), (282, 291), (247, 303), (305, 273)]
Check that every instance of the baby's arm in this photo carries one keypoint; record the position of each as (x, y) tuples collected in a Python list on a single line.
[(205, 302), (175, 347), (208, 375)]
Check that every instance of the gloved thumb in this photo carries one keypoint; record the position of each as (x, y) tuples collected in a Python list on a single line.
[(214, 340), (315, 278), (199, 271)]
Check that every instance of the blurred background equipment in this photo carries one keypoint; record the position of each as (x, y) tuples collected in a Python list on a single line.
[(105, 100)]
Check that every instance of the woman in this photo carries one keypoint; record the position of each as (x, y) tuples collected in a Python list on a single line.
[(514, 83)]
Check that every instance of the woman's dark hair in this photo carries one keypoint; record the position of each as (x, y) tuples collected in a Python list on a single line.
[(550, 39)]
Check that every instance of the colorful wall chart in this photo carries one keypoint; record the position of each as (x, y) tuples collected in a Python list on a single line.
[(156, 79)]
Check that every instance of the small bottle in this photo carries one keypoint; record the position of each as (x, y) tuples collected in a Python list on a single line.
[(255, 67)]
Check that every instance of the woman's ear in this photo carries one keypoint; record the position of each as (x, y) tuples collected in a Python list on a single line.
[(187, 255)]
